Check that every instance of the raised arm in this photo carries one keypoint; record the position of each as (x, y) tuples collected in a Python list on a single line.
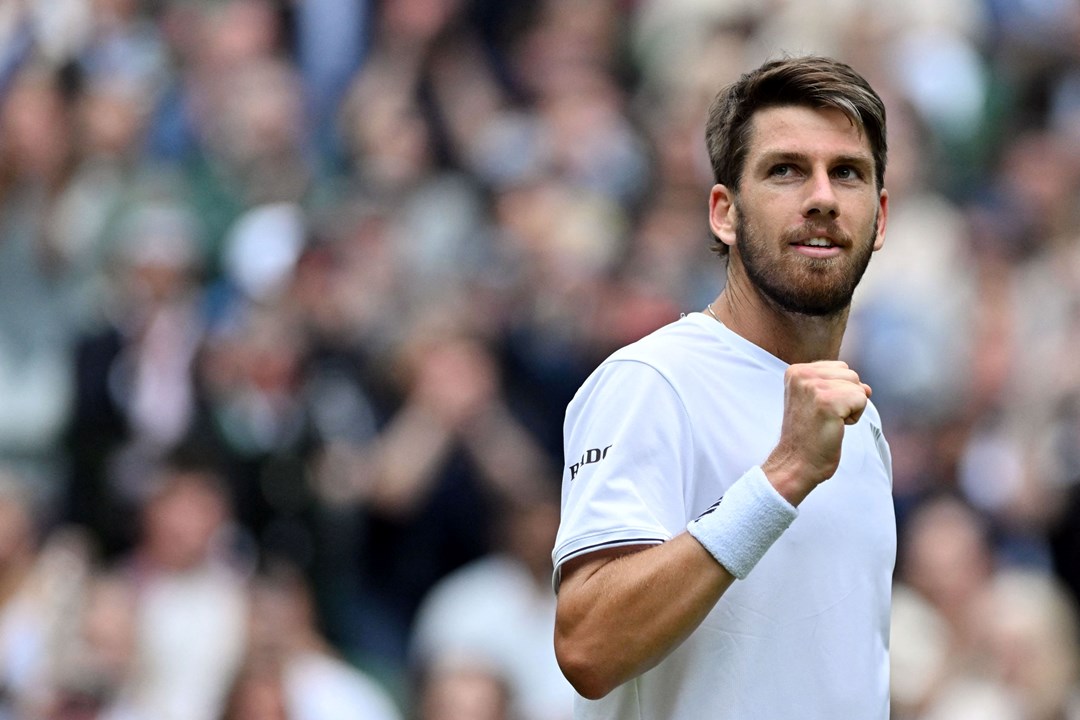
[(621, 611)]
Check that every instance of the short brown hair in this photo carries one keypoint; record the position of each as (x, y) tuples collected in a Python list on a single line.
[(811, 81)]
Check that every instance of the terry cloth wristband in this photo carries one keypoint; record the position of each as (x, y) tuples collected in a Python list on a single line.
[(744, 523)]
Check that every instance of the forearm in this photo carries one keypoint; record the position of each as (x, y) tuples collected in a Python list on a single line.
[(406, 459), (509, 459), (618, 617)]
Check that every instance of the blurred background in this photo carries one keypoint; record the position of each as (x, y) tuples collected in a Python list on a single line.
[(293, 295)]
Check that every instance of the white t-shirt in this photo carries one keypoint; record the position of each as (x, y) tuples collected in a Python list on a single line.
[(653, 438)]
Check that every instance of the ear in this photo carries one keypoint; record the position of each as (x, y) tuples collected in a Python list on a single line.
[(882, 219), (722, 214)]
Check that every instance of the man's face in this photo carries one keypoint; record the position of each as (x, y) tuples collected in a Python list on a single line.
[(808, 214)]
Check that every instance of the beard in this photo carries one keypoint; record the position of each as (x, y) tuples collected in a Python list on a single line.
[(819, 287)]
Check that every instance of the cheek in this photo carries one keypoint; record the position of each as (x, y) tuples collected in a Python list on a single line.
[(772, 214), (764, 230)]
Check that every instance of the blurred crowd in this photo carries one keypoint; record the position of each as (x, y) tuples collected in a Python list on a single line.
[(293, 295)]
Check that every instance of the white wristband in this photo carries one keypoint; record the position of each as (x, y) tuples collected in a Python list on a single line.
[(744, 523)]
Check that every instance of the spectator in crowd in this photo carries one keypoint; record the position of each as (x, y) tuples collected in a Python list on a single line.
[(291, 663), (945, 566), (38, 284), (499, 611), (135, 392), (190, 597), (95, 669), (1029, 633), (41, 583), (460, 689), (432, 483)]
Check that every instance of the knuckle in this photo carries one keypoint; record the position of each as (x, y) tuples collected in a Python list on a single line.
[(795, 371)]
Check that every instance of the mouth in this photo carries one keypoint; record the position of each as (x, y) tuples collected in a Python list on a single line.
[(817, 241), (817, 246)]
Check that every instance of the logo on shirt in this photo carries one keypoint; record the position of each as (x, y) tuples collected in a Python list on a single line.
[(882, 447), (593, 455), (711, 507)]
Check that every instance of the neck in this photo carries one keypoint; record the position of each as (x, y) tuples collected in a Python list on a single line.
[(792, 337)]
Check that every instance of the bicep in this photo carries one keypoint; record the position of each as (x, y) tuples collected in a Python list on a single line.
[(577, 571)]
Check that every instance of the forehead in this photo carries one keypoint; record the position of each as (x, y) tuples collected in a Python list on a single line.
[(797, 129)]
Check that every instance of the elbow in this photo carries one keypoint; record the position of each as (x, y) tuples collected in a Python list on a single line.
[(586, 675)]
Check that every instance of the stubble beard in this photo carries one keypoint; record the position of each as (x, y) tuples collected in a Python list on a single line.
[(817, 287)]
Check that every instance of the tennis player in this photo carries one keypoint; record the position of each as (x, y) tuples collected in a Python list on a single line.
[(728, 538)]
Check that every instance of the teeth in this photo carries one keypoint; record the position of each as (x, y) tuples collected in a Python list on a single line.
[(819, 242)]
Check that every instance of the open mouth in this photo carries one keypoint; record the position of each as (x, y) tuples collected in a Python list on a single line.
[(820, 242), (818, 247)]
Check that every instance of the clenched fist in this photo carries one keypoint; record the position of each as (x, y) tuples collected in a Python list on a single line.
[(820, 398)]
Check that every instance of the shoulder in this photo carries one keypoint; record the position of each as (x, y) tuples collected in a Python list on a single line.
[(678, 360), (664, 343), (685, 351), (665, 351)]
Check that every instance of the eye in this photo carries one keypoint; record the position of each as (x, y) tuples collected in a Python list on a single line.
[(846, 172), (781, 170)]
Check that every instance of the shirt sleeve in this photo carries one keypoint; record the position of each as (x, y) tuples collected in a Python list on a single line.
[(629, 456)]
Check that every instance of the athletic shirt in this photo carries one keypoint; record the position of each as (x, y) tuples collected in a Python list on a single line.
[(653, 438)]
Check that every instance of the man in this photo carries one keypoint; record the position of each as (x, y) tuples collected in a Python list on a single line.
[(691, 452)]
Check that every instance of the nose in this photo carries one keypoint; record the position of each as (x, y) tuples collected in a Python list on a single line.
[(821, 196)]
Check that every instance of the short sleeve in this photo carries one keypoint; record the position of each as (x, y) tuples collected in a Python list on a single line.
[(628, 450)]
